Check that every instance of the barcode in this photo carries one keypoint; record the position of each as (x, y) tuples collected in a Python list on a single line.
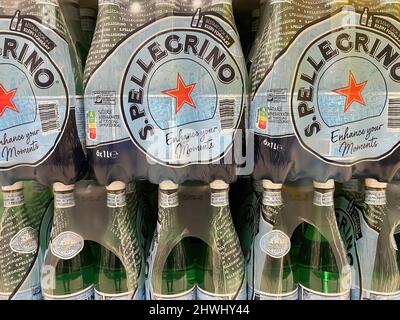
[(227, 113), (394, 114), (48, 113)]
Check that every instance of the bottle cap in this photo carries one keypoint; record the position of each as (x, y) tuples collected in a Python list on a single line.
[(268, 184), (116, 186), (168, 185), (219, 185), (16, 186), (60, 187), (88, 12), (372, 183), (330, 184)]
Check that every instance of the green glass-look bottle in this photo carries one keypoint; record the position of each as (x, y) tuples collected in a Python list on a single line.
[(317, 269), (18, 242), (73, 274), (120, 279), (223, 275), (273, 269), (179, 272), (384, 284)]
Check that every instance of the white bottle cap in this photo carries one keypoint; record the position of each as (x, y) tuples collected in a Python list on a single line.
[(88, 12), (60, 187), (372, 183), (219, 185), (330, 184), (268, 184), (168, 185), (16, 186), (116, 186)]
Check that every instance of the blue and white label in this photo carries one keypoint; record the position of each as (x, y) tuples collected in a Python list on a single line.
[(36, 90), (85, 294), (188, 295), (33, 293), (308, 294), (182, 93), (240, 295), (372, 295), (259, 295), (138, 295), (342, 101)]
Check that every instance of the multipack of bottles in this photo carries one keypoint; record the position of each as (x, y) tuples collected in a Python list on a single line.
[(144, 156)]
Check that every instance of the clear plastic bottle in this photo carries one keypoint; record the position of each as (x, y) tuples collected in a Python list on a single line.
[(18, 240), (384, 281)]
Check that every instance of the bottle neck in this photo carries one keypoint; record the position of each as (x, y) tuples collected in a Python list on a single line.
[(271, 205), (376, 210), (168, 199), (13, 198), (219, 198), (64, 199), (375, 197), (116, 198), (323, 197)]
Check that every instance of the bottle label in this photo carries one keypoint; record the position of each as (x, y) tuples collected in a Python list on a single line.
[(375, 198), (272, 198), (168, 200), (275, 243), (64, 200), (25, 241), (220, 199), (86, 294), (188, 295), (371, 295), (323, 199), (259, 295), (182, 91), (80, 118), (121, 296), (37, 90), (13, 199), (67, 245), (33, 293), (341, 101), (308, 294), (204, 295), (116, 200)]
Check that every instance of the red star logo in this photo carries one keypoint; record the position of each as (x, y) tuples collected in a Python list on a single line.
[(6, 100), (352, 92), (181, 94)]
